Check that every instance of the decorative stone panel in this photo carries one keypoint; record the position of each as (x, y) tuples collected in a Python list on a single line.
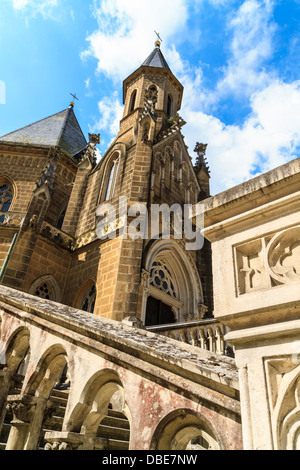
[(268, 261)]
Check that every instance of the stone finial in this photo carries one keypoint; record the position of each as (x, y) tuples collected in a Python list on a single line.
[(201, 161), (94, 139), (200, 149)]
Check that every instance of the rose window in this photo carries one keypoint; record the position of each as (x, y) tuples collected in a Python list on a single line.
[(160, 278)]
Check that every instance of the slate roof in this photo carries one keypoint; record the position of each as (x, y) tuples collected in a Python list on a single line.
[(60, 130), (156, 59)]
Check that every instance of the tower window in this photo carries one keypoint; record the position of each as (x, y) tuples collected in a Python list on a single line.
[(61, 219), (132, 101), (170, 106)]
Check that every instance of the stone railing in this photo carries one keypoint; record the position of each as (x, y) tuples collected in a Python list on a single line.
[(57, 236), (206, 334), (11, 219)]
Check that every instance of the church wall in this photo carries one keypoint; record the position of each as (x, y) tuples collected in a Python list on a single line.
[(47, 259), (23, 167), (63, 183)]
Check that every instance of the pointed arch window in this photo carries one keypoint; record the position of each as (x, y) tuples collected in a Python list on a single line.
[(132, 101), (46, 287), (160, 305), (61, 219), (6, 197), (170, 106), (88, 300), (112, 178)]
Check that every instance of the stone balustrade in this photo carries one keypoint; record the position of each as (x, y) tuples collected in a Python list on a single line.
[(57, 236), (206, 334)]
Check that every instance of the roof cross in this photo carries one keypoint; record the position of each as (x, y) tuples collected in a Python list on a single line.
[(74, 96), (158, 37)]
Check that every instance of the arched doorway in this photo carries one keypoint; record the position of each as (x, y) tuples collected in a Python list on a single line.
[(158, 313), (172, 290)]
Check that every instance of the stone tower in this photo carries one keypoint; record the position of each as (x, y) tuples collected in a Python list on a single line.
[(67, 250)]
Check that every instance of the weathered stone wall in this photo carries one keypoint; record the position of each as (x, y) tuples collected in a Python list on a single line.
[(162, 384), (255, 233)]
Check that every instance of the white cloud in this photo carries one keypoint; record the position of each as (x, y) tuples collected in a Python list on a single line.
[(252, 44), (126, 30), (35, 7), (110, 111), (269, 137)]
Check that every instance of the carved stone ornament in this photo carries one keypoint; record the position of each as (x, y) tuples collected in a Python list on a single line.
[(283, 379), (283, 256), (61, 446), (22, 412)]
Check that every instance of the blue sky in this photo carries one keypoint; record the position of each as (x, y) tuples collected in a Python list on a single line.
[(237, 59)]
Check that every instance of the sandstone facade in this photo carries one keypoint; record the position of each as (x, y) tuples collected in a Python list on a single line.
[(111, 342)]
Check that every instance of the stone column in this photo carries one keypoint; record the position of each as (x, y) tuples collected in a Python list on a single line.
[(22, 415), (43, 410)]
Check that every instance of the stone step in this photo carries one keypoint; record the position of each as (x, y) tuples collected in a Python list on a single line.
[(114, 444), (64, 394), (109, 432), (116, 414), (54, 423), (115, 422)]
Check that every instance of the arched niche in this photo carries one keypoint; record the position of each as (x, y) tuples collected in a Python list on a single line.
[(185, 429)]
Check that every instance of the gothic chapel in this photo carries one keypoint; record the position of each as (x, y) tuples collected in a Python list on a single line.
[(52, 183), (116, 343)]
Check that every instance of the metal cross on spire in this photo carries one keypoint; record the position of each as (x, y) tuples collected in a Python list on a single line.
[(74, 97), (158, 37)]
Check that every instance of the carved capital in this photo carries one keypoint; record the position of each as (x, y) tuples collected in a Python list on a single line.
[(22, 412)]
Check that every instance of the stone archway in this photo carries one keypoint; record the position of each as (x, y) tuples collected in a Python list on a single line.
[(102, 416), (184, 430)]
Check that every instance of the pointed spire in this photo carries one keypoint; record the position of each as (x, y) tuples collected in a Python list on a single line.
[(156, 58)]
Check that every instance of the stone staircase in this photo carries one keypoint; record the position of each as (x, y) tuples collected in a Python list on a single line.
[(114, 428)]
